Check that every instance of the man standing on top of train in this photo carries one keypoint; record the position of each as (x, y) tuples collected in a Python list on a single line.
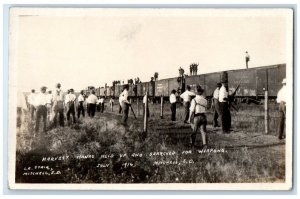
[(58, 105), (216, 105), (30, 100), (70, 105), (224, 108), (281, 99), (173, 105), (197, 116), (125, 104), (80, 108), (187, 96), (247, 57)]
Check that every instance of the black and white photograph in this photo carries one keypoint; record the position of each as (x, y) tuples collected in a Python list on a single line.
[(150, 98)]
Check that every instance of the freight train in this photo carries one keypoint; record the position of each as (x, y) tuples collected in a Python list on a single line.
[(252, 84)]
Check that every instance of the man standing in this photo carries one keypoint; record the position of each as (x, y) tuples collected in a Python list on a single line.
[(70, 105), (31, 103), (92, 99), (281, 99), (58, 105), (111, 103), (41, 112), (247, 57), (80, 108), (125, 104), (216, 105), (187, 96), (120, 103), (173, 105), (101, 104), (49, 105), (224, 108), (198, 109)]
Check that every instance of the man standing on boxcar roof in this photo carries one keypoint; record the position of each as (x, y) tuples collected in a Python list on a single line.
[(125, 104), (216, 105), (281, 99), (247, 57), (173, 105), (58, 105), (31, 103), (187, 96), (198, 117), (224, 108)]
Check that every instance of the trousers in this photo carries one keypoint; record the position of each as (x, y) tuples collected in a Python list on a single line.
[(125, 108), (216, 112), (41, 113), (173, 111), (225, 116), (282, 111), (186, 111), (80, 110), (199, 122)]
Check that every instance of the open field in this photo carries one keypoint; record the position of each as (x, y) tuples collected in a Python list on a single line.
[(93, 151)]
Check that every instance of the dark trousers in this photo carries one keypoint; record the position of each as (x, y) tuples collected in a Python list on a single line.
[(282, 111), (88, 109), (173, 111), (186, 110), (41, 113), (32, 110), (80, 110), (148, 113), (101, 105), (199, 122), (120, 108), (58, 112), (225, 116), (92, 110), (216, 112), (125, 109), (71, 111)]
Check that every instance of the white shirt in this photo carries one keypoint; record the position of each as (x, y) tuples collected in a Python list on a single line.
[(31, 98), (58, 95), (92, 99), (172, 98), (124, 95), (281, 96), (223, 94), (49, 98), (70, 98), (187, 95), (80, 98), (41, 99), (198, 104), (216, 93)]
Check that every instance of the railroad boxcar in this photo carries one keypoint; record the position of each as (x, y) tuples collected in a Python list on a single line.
[(109, 92), (117, 90), (210, 83), (102, 92), (164, 87), (194, 80)]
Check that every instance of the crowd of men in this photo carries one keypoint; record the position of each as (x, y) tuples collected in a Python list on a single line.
[(52, 107)]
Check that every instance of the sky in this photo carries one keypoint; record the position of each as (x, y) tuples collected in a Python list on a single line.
[(91, 48)]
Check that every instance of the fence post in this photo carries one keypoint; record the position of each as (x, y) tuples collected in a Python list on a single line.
[(161, 107), (266, 113), (145, 115), (138, 108)]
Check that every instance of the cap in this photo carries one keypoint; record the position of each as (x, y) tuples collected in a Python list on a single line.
[(72, 90), (219, 84), (43, 88), (58, 84)]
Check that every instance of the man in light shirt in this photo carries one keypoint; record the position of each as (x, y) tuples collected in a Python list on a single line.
[(101, 104), (216, 105), (80, 108), (58, 105), (187, 96), (70, 105), (49, 104), (198, 116), (281, 99), (125, 104), (224, 108), (41, 109), (31, 103), (120, 103), (173, 105), (92, 100)]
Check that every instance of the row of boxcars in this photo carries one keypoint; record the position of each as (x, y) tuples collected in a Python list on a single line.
[(253, 83)]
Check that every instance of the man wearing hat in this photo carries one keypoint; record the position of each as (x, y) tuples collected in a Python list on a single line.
[(224, 108), (70, 105), (187, 96), (198, 116), (41, 109), (58, 105), (281, 99), (173, 105), (125, 103), (216, 105)]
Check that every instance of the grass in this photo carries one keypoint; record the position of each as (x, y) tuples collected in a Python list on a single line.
[(249, 156)]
